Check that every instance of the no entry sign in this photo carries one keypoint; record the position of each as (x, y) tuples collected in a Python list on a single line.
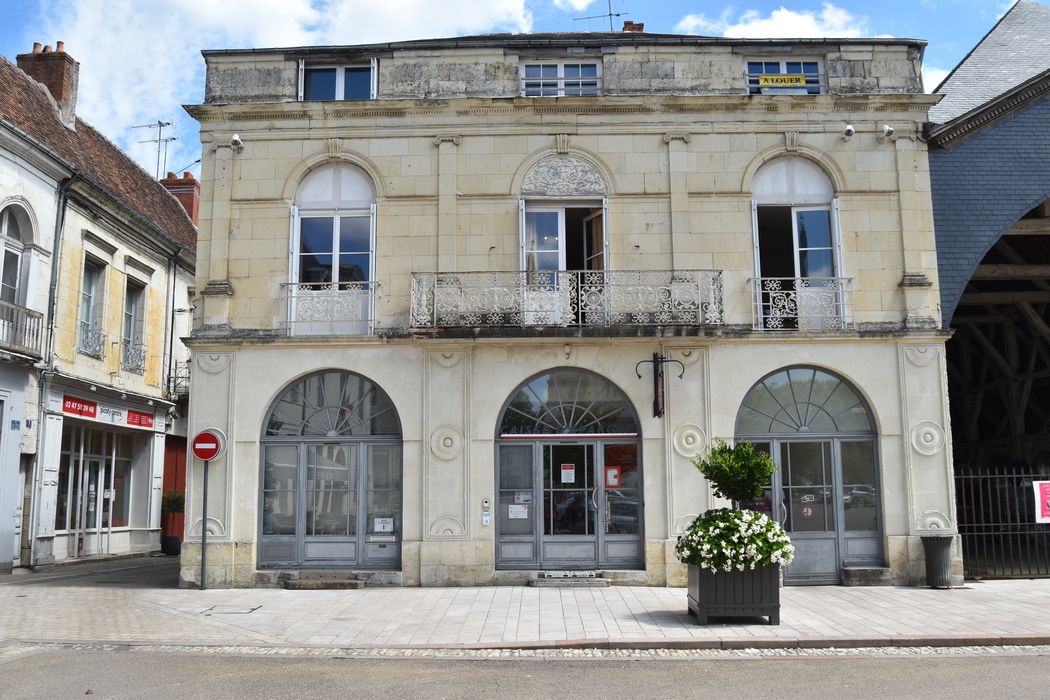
[(208, 444)]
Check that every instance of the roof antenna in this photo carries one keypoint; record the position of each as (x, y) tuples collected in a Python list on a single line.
[(160, 140), (610, 14)]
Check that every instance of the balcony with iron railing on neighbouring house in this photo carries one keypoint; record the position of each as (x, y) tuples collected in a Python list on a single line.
[(133, 357), (566, 298), (179, 381), (344, 308), (91, 340), (21, 329), (802, 303)]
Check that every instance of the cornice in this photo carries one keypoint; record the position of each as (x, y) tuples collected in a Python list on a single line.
[(945, 135)]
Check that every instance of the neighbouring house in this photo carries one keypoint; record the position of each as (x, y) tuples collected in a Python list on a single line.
[(990, 172), (470, 306), (96, 284)]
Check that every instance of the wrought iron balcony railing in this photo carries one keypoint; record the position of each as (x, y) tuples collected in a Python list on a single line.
[(180, 378), (21, 329), (133, 357), (802, 303), (344, 308), (567, 298), (91, 340)]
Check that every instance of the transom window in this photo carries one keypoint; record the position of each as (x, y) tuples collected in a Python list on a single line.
[(352, 82), (560, 79), (783, 77), (568, 402), (803, 400)]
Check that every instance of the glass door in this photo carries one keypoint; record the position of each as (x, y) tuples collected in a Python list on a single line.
[(330, 494), (803, 500), (543, 251), (570, 504), (621, 512)]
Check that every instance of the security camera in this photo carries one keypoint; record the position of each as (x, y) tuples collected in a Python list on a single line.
[(235, 141), (887, 131), (848, 132)]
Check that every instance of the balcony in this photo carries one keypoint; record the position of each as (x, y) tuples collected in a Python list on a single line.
[(91, 340), (133, 357), (346, 308), (589, 298), (802, 303), (179, 382), (21, 329)]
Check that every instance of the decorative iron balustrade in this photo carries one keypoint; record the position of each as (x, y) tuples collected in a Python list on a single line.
[(344, 308), (21, 329), (567, 298), (179, 381), (91, 340), (133, 358), (802, 303)]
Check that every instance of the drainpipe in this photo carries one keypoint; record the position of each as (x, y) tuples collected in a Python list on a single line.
[(169, 325), (48, 368)]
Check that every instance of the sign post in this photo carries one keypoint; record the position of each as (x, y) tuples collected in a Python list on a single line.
[(206, 446)]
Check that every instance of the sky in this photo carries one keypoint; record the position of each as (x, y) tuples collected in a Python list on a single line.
[(140, 59)]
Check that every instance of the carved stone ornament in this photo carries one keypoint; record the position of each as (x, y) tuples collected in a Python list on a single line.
[(446, 359), (689, 356), (446, 442), (689, 440), (921, 356), (563, 176), (934, 521), (683, 523), (448, 526), (927, 438), (213, 363)]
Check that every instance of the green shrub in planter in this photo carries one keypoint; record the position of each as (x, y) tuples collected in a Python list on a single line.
[(737, 473)]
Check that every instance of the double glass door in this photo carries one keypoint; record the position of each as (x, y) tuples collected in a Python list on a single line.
[(825, 494), (569, 505), (331, 504)]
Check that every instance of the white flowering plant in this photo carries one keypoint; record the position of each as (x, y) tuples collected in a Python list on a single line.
[(725, 539)]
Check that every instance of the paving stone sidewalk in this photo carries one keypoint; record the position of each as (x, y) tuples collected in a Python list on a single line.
[(108, 605)]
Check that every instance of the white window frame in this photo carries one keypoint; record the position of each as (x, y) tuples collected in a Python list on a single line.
[(134, 318), (11, 246), (783, 61), (561, 80), (836, 240), (92, 313), (340, 78)]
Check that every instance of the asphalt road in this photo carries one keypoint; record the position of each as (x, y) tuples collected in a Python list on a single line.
[(71, 673)]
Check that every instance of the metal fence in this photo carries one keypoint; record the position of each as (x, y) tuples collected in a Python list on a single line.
[(21, 329), (802, 303), (996, 514)]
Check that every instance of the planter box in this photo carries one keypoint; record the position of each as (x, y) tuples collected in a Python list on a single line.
[(748, 593)]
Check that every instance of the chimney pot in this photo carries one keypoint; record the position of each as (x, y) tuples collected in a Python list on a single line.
[(187, 176), (47, 48), (60, 46), (171, 176), (36, 47)]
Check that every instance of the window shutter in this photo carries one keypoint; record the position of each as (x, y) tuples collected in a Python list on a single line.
[(836, 236), (302, 78), (293, 260), (374, 89), (521, 233), (605, 233), (754, 234)]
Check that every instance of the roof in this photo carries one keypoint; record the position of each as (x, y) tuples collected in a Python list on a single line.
[(27, 106), (565, 39), (1015, 50)]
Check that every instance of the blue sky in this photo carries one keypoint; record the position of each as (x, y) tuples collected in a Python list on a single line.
[(140, 59)]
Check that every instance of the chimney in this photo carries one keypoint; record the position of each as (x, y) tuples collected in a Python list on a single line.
[(58, 72), (629, 26), (187, 190)]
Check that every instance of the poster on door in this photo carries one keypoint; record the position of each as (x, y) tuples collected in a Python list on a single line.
[(568, 473), (1042, 501), (613, 476)]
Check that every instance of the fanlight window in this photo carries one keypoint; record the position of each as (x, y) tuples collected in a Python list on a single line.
[(333, 404), (803, 400), (568, 402)]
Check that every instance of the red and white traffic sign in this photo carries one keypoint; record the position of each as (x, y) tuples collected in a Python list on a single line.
[(208, 444)]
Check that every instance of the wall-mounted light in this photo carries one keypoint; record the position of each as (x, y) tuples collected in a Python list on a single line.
[(886, 132), (848, 132)]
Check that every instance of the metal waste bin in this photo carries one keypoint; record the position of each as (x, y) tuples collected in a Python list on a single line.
[(938, 551)]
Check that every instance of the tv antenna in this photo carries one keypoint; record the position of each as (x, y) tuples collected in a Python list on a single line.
[(162, 141), (610, 14)]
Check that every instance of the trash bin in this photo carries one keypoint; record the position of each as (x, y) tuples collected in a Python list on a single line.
[(938, 551)]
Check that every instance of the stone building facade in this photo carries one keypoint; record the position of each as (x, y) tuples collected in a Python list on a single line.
[(471, 306)]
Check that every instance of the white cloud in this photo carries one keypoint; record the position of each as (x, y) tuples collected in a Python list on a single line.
[(932, 77), (573, 5), (140, 61), (781, 23)]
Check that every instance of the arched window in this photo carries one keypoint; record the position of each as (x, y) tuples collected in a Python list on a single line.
[(331, 475), (568, 401), (333, 265), (12, 222), (797, 254), (802, 400)]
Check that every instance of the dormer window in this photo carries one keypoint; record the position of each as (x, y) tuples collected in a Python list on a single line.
[(767, 76), (560, 79), (337, 82)]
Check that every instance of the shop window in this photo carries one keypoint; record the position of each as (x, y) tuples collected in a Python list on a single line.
[(347, 82), (560, 79), (91, 339), (767, 76), (133, 355)]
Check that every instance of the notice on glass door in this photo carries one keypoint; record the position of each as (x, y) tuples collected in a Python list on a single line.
[(1042, 501), (568, 473), (518, 512)]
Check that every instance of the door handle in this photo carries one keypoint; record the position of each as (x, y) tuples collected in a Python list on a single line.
[(783, 513)]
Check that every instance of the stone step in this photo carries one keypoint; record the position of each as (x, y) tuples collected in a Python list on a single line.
[(866, 576), (322, 584), (325, 575)]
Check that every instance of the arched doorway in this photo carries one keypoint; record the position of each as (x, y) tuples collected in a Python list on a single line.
[(568, 475), (331, 475), (822, 436)]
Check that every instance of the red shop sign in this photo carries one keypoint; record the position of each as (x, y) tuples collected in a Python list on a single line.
[(79, 407), (140, 419)]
